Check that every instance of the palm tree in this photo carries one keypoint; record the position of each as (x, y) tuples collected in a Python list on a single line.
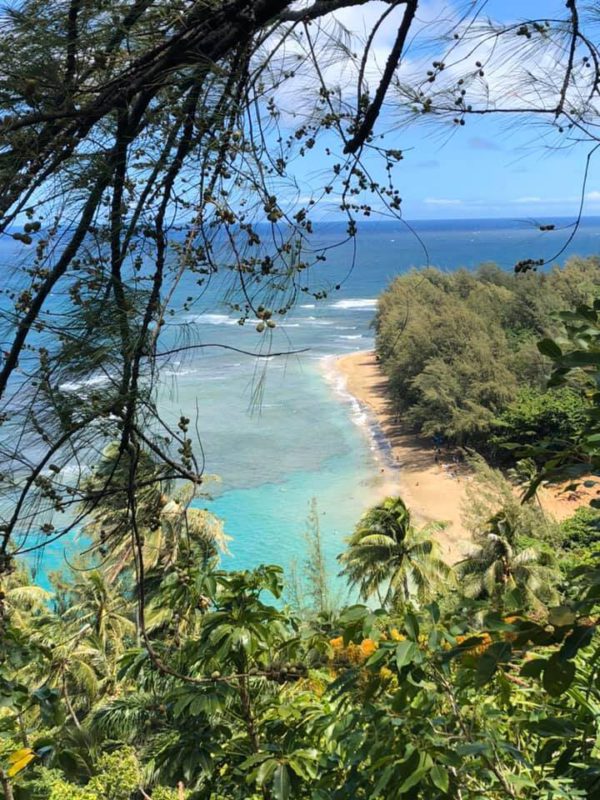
[(166, 525), (87, 637), (386, 549), (499, 565), (23, 600), (109, 613)]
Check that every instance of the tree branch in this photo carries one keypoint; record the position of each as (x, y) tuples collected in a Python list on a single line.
[(372, 112)]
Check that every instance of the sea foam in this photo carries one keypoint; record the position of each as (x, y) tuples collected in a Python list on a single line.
[(212, 319), (77, 386), (356, 304)]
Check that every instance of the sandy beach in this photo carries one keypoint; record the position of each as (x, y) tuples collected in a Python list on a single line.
[(435, 492)]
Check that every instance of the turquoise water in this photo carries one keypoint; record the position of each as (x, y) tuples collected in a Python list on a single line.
[(307, 439), (280, 431)]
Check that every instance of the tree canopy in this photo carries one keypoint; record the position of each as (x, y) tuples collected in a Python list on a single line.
[(461, 355)]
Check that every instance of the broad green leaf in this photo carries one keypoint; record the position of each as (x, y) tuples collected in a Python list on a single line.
[(473, 749), (581, 358), (304, 763), (559, 616), (434, 610), (383, 781), (412, 780), (439, 778), (405, 653), (411, 623), (353, 614), (521, 781), (488, 662), (377, 656), (281, 783), (533, 668), (553, 727), (266, 769), (558, 675), (548, 347), (580, 636)]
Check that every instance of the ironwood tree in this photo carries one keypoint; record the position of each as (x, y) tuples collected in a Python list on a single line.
[(141, 142)]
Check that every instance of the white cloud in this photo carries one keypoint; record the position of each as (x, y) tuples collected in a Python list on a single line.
[(591, 197), (442, 201), (532, 199)]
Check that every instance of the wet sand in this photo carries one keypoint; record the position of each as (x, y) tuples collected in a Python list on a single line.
[(433, 492)]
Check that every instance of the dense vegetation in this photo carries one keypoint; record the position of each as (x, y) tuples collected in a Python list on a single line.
[(421, 698), (478, 682), (151, 149), (146, 141), (460, 350)]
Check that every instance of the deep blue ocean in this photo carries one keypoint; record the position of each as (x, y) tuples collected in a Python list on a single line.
[(277, 432)]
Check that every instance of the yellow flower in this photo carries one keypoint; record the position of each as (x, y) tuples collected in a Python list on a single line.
[(368, 647), (338, 643), (386, 674), (484, 641), (396, 636), (480, 649), (510, 636), (354, 653)]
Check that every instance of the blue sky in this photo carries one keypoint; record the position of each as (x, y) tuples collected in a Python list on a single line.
[(490, 167)]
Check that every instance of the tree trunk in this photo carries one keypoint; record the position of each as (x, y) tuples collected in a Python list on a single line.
[(250, 724), (6, 787)]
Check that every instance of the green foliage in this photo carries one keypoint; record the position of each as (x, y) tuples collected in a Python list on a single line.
[(458, 347), (386, 552), (491, 492), (119, 775), (309, 590), (112, 113), (483, 687), (164, 793), (315, 568), (535, 415), (377, 703), (581, 532), (580, 539), (575, 360), (499, 567), (117, 778)]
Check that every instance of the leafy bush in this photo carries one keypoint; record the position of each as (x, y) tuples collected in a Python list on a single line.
[(458, 347), (582, 530), (118, 777), (535, 415)]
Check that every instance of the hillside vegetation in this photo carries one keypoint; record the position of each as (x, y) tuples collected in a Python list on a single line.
[(153, 674), (460, 351)]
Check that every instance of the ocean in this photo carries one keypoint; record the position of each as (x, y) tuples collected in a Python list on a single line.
[(279, 431)]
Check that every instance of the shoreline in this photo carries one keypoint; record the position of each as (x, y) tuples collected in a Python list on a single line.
[(409, 469), (434, 492)]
